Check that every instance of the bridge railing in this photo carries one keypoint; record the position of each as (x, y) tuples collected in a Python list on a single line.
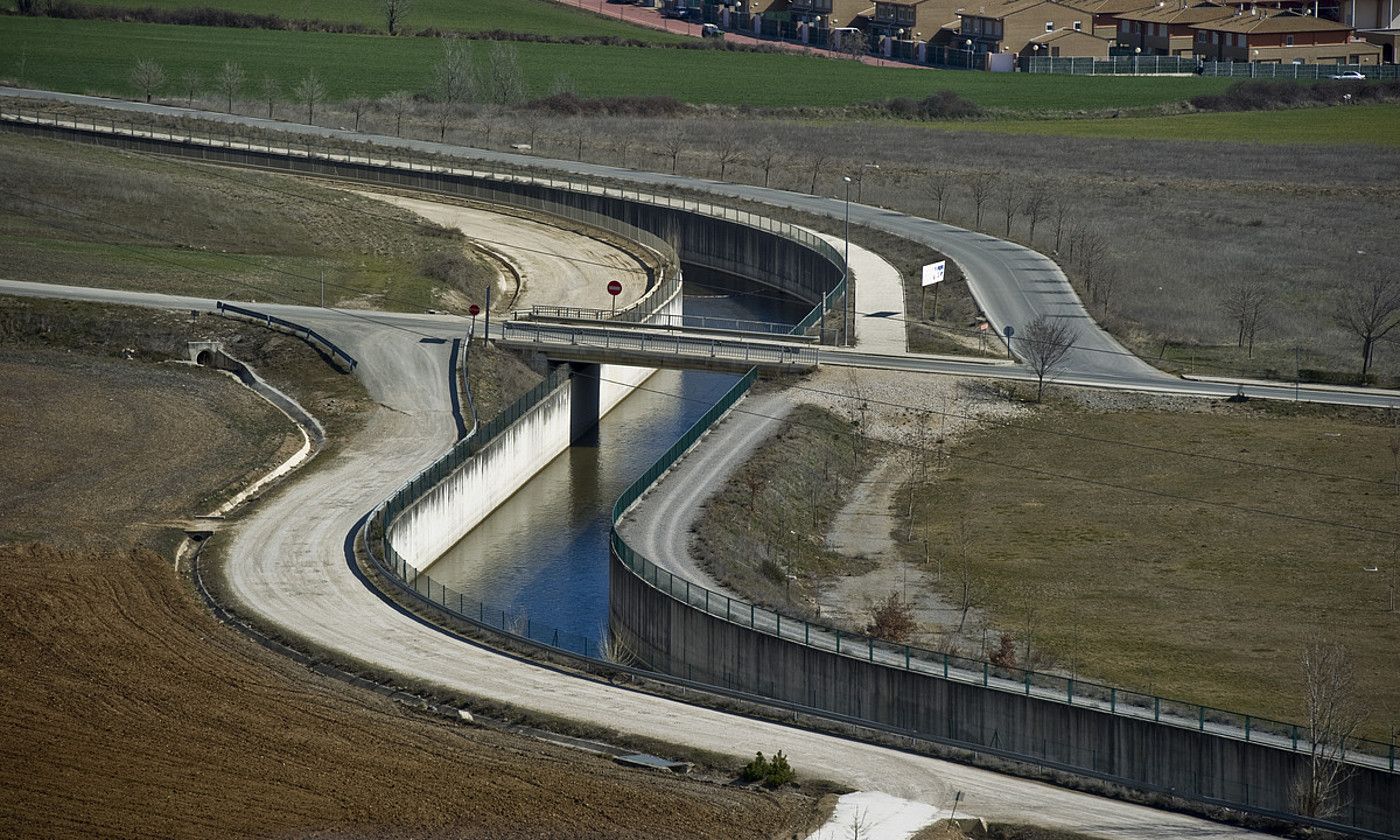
[(659, 346)]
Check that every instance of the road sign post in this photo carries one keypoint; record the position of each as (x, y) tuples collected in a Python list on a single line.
[(1008, 331), (474, 311), (614, 289)]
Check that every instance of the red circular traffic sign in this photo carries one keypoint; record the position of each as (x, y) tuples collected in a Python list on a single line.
[(474, 310), (614, 288)]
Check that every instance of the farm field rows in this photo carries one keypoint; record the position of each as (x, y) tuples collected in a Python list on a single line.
[(97, 57)]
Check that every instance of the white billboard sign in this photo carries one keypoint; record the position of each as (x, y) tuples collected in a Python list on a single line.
[(933, 272)]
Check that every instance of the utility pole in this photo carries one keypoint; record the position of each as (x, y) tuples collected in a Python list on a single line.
[(323, 289), (486, 336), (846, 311)]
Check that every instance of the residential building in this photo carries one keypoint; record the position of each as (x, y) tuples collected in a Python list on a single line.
[(1105, 13), (1165, 29), (1371, 14), (909, 22), (1010, 26), (1066, 43), (1281, 38), (831, 14)]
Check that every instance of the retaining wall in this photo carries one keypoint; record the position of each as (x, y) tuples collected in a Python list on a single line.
[(674, 638)]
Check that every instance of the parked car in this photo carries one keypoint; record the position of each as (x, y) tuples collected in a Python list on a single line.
[(1352, 75), (709, 30), (676, 12)]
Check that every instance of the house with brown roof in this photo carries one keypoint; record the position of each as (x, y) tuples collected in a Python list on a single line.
[(1011, 26), (900, 25), (831, 14), (1165, 29), (1281, 38), (1106, 13), (1066, 43)]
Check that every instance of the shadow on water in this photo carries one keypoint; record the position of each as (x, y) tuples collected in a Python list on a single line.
[(545, 550)]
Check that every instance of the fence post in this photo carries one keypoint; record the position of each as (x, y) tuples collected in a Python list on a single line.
[(1070, 696), (1295, 736), (906, 657), (1156, 708), (806, 634), (871, 640), (985, 675), (1247, 723), (1201, 710), (752, 609), (1113, 701)]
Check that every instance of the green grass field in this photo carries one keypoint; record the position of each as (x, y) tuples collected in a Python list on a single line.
[(97, 57), (541, 17), (1163, 595), (1372, 125)]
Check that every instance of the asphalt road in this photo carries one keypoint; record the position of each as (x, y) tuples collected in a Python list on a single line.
[(1012, 284)]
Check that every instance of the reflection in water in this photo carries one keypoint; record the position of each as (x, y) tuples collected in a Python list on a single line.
[(545, 550)]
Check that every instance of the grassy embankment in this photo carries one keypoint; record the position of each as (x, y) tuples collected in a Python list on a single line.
[(97, 56), (1211, 603), (537, 17), (94, 217), (760, 527)]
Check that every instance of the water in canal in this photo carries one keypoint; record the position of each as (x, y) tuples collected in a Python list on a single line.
[(545, 551)]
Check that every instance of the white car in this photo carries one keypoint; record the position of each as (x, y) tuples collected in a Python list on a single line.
[(1350, 75), (709, 30)]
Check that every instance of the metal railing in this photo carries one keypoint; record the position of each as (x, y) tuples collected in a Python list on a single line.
[(658, 346), (303, 332), (713, 323), (1053, 687), (1148, 65)]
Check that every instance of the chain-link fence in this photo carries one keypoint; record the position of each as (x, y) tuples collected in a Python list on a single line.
[(1150, 65)]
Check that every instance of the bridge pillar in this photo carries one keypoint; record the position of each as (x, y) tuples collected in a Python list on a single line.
[(584, 394)]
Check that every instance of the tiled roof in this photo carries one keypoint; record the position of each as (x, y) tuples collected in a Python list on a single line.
[(1272, 23), (1174, 13)]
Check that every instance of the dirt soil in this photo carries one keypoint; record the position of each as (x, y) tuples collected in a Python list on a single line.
[(72, 426), (131, 712)]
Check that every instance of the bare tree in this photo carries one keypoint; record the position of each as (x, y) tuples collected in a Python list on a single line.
[(728, 152), (358, 105), (819, 158), (148, 77), (1008, 201), (673, 143), (394, 13), (1061, 212), (1245, 301), (938, 187), (1334, 714), (769, 152), (531, 121), (1369, 309), (398, 102), (230, 81), (453, 76), (1037, 197), (1089, 250), (1044, 345), (981, 187), (443, 115), (190, 81), (310, 92), (507, 81)]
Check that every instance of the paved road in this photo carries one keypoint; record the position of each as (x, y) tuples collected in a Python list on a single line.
[(1013, 284), (287, 565)]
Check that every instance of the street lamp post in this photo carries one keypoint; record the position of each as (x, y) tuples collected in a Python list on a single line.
[(969, 53), (1137, 51), (846, 266)]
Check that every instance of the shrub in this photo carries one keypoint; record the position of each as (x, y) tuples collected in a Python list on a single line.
[(571, 104), (1005, 654), (1263, 94), (774, 772), (943, 105), (892, 619)]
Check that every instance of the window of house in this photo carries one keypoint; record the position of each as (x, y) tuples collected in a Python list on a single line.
[(1049, 26), (1215, 37), (1123, 26), (1288, 40), (1078, 26)]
